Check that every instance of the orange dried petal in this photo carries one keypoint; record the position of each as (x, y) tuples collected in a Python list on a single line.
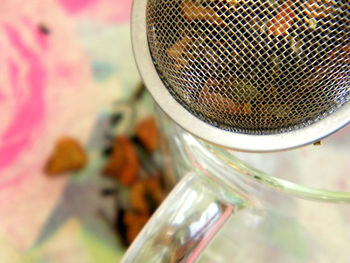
[(134, 223), (137, 197), (133, 218), (68, 156), (280, 24), (155, 189), (194, 11), (147, 132), (123, 163)]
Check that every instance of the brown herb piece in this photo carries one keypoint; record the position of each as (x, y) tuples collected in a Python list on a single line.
[(146, 195), (147, 132), (123, 163), (176, 51), (137, 198), (216, 102), (155, 189), (280, 24), (44, 29), (134, 222), (68, 156), (318, 8), (195, 11)]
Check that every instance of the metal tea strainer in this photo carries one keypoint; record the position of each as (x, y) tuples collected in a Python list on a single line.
[(248, 75)]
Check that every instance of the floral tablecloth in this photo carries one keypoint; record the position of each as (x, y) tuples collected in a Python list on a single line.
[(62, 63), (63, 66)]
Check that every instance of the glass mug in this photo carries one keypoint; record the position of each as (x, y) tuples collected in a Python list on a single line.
[(224, 210)]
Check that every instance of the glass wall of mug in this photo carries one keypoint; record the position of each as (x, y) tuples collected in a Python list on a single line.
[(291, 206)]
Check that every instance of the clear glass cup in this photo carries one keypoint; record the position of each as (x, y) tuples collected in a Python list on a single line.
[(272, 210)]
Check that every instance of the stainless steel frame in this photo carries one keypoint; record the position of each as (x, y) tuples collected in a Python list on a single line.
[(236, 141)]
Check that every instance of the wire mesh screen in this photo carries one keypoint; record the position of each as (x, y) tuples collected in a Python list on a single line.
[(256, 67)]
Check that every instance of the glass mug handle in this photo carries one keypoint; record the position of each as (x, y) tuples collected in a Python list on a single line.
[(186, 222)]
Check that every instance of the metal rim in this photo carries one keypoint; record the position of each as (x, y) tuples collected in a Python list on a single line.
[(236, 141)]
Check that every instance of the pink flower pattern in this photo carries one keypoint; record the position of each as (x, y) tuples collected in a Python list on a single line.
[(29, 108)]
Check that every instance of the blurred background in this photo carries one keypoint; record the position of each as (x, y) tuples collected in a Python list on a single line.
[(72, 113)]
